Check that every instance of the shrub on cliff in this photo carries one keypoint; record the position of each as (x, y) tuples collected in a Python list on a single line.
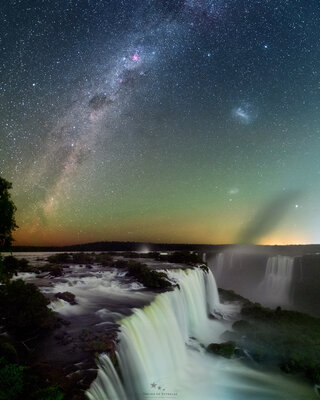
[(17, 382), (14, 265), (82, 258), (103, 259), (11, 380), (8, 352), (226, 349), (53, 269), (182, 258), (23, 310), (147, 276), (121, 263), (289, 339), (49, 393), (59, 258)]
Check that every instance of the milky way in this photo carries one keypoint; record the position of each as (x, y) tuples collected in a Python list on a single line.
[(160, 120)]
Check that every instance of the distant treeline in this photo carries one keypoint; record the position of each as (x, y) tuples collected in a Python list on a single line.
[(124, 246), (293, 250)]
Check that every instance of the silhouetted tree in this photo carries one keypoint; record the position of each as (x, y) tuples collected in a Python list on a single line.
[(7, 214), (23, 313)]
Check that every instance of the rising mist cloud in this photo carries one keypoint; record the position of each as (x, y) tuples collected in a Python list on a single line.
[(268, 217)]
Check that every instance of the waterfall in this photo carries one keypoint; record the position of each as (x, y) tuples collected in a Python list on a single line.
[(107, 384), (161, 352), (260, 278), (275, 288), (215, 307), (219, 266), (204, 257), (153, 340), (224, 268)]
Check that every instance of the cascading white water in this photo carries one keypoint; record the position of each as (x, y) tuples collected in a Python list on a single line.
[(161, 352), (224, 268), (167, 324), (268, 281), (275, 288), (219, 266)]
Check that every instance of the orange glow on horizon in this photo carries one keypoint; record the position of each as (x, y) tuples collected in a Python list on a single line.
[(197, 235)]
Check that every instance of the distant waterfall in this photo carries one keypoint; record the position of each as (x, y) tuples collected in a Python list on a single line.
[(260, 278), (219, 266), (204, 257), (223, 268), (275, 288)]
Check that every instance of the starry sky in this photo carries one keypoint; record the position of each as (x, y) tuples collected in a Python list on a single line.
[(185, 121)]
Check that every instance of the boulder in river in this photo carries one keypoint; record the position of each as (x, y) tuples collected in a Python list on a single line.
[(66, 296), (226, 349)]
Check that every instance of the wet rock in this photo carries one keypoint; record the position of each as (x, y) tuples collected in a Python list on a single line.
[(59, 258), (53, 270), (66, 296), (93, 342), (226, 349), (63, 338)]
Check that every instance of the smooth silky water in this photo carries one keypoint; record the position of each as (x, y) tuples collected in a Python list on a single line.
[(161, 352), (273, 288)]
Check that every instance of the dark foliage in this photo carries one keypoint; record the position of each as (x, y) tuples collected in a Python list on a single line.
[(204, 268), (289, 339), (230, 295), (23, 310), (80, 258), (52, 269), (104, 259), (11, 380), (17, 382), (121, 263), (13, 265), (226, 349), (148, 277), (59, 258), (7, 214), (23, 313), (8, 352)]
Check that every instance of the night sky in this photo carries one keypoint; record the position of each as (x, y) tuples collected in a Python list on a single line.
[(164, 121)]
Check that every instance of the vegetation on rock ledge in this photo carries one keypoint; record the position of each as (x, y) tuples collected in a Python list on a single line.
[(289, 339), (23, 314)]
